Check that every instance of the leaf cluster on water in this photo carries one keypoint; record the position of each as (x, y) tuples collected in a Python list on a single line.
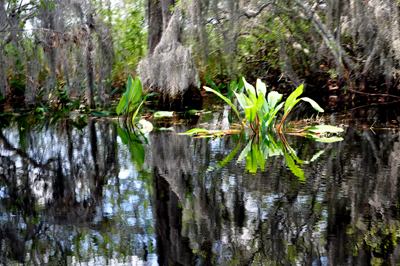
[(260, 108)]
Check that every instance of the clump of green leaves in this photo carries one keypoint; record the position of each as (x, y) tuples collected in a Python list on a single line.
[(130, 103), (260, 108)]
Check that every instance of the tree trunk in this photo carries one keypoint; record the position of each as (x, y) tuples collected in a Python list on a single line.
[(155, 25), (90, 64)]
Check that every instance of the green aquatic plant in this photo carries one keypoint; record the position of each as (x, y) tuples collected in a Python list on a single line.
[(130, 104), (131, 100), (260, 108)]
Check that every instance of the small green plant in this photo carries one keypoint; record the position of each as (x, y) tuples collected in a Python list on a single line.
[(130, 103)]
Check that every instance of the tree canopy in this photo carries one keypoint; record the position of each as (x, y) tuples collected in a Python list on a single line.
[(92, 46)]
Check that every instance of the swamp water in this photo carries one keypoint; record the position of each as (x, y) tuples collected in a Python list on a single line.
[(83, 196)]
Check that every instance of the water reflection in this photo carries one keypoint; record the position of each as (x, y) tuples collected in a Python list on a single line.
[(74, 196)]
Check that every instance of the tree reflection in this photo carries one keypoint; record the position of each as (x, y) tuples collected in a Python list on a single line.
[(53, 199), (71, 196)]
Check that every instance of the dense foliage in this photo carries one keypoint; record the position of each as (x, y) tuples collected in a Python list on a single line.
[(92, 46)]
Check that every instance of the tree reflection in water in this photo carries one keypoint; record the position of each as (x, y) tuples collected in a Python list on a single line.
[(71, 196)]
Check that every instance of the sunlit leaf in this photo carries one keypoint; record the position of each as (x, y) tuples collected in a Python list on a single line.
[(313, 103), (135, 92), (121, 105), (261, 88), (163, 114), (268, 118), (250, 112), (241, 99), (225, 99), (249, 88), (291, 100), (259, 103), (273, 98)]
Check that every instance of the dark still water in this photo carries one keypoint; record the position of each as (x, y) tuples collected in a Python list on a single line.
[(96, 195)]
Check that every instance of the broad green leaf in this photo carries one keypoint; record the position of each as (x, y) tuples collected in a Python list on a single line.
[(146, 126), (291, 100), (240, 97), (272, 114), (260, 101), (261, 88), (250, 101), (225, 99), (250, 112), (273, 98), (138, 90), (121, 105), (135, 92), (265, 108), (324, 129), (249, 87), (163, 114), (313, 103)]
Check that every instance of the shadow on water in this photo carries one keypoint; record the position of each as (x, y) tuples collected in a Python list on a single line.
[(72, 196)]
